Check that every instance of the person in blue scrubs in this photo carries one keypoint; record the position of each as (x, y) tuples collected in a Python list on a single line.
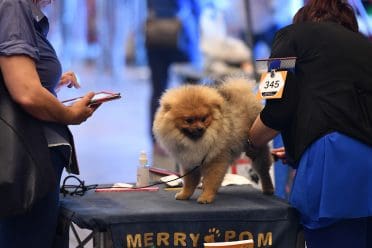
[(32, 73), (161, 58), (325, 119)]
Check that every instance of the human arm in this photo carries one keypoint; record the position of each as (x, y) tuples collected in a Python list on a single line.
[(24, 86), (260, 134), (278, 114)]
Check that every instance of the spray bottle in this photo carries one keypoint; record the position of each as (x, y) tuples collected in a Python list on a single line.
[(143, 173)]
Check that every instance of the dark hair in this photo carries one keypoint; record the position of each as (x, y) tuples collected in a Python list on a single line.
[(338, 11)]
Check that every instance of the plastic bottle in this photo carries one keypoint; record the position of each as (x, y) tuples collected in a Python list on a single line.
[(143, 173)]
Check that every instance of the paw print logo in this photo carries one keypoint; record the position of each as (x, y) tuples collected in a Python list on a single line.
[(213, 233)]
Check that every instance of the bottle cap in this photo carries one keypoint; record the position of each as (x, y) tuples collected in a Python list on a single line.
[(143, 158)]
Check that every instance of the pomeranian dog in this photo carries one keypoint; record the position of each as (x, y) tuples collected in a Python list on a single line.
[(207, 126)]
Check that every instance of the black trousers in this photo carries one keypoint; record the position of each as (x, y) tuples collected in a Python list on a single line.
[(160, 61), (37, 228), (347, 233)]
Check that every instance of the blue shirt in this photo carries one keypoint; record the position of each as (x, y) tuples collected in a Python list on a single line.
[(23, 31)]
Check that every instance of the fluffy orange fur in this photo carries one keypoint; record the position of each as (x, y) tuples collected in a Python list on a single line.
[(208, 127)]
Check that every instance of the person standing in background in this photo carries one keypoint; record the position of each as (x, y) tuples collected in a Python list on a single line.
[(325, 119), (161, 58), (115, 20), (263, 26), (31, 73)]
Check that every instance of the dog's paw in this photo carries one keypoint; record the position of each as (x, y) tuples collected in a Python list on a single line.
[(182, 196), (267, 187), (203, 199)]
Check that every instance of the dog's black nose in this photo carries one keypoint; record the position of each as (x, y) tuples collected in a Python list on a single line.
[(194, 134), (198, 133)]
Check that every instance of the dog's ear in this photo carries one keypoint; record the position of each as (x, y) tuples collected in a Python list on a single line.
[(166, 107), (216, 103), (226, 95)]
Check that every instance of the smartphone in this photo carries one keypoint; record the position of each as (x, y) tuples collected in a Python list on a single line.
[(104, 96), (99, 97)]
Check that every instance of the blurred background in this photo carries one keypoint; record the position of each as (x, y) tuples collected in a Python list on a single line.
[(103, 42)]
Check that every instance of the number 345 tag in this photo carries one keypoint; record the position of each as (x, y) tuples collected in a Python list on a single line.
[(272, 85)]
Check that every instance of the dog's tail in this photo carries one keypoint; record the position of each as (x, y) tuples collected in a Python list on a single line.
[(234, 88)]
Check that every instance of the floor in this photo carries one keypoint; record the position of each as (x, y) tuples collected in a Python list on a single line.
[(109, 143)]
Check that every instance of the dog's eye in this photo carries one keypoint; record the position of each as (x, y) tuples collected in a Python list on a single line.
[(203, 118), (189, 120)]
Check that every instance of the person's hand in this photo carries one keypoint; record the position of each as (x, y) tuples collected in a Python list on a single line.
[(279, 153), (68, 79), (81, 110)]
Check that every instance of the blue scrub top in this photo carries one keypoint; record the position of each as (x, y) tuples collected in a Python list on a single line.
[(333, 181)]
